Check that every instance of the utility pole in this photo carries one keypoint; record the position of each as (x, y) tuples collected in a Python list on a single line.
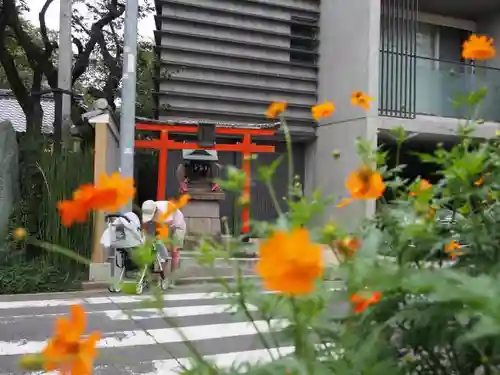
[(64, 71), (127, 108)]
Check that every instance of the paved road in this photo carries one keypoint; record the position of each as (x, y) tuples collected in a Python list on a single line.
[(27, 321)]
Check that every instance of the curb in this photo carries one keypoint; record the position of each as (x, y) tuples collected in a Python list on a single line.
[(98, 285)]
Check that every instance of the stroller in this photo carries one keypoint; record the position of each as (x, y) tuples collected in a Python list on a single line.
[(124, 236)]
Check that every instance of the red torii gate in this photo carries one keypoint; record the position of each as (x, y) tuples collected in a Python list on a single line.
[(246, 147)]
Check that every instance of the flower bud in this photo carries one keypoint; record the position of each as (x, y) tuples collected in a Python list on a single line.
[(19, 234), (244, 200), (32, 362), (329, 230)]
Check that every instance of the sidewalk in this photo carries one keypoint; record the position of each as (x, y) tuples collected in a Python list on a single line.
[(192, 273)]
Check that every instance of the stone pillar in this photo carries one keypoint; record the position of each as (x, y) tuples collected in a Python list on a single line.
[(202, 213), (105, 161)]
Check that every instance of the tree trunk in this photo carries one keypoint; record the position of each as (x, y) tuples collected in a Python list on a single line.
[(31, 147)]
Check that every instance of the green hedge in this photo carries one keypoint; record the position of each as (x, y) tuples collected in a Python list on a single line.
[(63, 173)]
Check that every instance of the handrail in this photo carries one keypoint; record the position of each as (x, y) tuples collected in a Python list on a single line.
[(460, 63)]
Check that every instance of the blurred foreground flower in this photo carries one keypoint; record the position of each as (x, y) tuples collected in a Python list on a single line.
[(109, 194), (422, 186), (66, 351), (362, 301), (275, 109), (124, 188), (19, 234), (451, 249), (162, 229), (348, 246), (360, 99), (478, 47), (479, 181), (322, 110), (290, 263), (363, 184)]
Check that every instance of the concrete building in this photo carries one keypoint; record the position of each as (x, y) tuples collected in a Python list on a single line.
[(231, 58)]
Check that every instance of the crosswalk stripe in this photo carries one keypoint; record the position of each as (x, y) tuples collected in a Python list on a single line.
[(223, 360), (112, 300), (171, 312), (157, 336), (141, 314), (171, 366), (133, 335), (105, 300)]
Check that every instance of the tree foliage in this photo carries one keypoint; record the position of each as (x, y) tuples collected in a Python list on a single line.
[(28, 54), (28, 61), (103, 76)]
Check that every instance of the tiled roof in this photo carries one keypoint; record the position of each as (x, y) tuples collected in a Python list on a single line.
[(268, 125), (11, 110)]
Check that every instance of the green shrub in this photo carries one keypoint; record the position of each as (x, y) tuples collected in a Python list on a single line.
[(18, 275), (37, 270), (63, 172)]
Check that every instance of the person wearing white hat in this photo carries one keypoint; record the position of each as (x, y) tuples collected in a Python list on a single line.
[(152, 212)]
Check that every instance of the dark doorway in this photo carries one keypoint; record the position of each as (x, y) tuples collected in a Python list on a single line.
[(422, 143)]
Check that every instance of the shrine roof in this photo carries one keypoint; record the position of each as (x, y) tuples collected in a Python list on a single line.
[(219, 124)]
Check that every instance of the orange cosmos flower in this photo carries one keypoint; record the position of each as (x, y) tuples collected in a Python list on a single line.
[(72, 212), (422, 186), (431, 213), (275, 109), (66, 351), (322, 110), (480, 181), (290, 263), (85, 199), (451, 248), (362, 301), (123, 187), (360, 99), (19, 234), (348, 245), (109, 194), (182, 201), (363, 184), (163, 230), (173, 206), (478, 47)]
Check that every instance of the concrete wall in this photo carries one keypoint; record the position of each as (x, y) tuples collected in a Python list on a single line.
[(235, 58), (348, 63), (438, 125)]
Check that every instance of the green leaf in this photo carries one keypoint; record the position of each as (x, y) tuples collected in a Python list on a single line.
[(266, 173)]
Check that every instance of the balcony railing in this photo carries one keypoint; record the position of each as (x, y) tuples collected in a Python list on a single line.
[(437, 88)]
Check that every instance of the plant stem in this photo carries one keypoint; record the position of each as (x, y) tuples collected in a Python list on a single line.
[(59, 250), (288, 140), (300, 341), (274, 198), (241, 302)]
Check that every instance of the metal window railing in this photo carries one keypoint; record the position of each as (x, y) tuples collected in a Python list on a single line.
[(440, 88)]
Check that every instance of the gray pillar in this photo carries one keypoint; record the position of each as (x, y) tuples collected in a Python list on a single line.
[(64, 69), (348, 62), (127, 108)]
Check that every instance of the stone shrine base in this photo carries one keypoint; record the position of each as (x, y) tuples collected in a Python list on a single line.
[(202, 213)]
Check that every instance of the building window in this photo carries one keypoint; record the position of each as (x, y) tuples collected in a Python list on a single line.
[(303, 40)]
